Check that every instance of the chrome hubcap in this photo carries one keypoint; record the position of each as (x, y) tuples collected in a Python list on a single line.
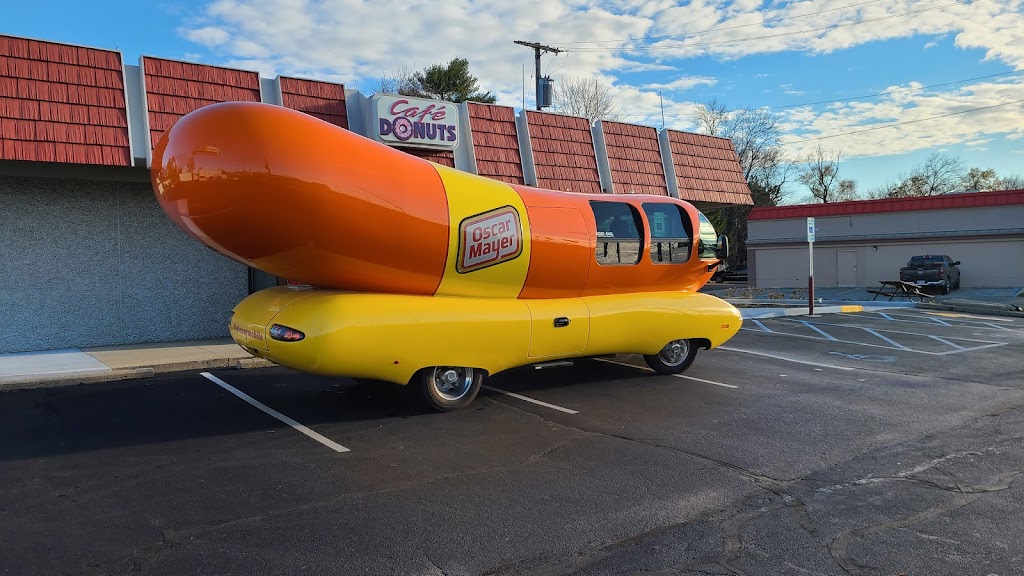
[(675, 352), (452, 383)]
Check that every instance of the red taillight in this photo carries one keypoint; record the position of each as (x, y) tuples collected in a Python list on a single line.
[(285, 334)]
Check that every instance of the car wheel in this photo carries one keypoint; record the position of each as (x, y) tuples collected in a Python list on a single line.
[(718, 279), (674, 358), (448, 388), (945, 287)]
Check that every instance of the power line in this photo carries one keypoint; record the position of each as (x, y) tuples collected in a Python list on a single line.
[(903, 123), (851, 98), (762, 23), (897, 91), (769, 36), (537, 49)]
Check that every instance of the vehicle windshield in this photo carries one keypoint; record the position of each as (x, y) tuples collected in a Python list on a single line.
[(708, 238)]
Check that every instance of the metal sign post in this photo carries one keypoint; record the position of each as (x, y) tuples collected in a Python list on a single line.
[(810, 276)]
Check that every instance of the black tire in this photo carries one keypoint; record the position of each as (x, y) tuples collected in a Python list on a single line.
[(448, 388), (945, 287), (674, 358), (718, 279)]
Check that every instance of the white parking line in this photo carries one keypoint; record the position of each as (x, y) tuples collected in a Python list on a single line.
[(531, 400), (723, 385), (892, 344), (794, 360), (889, 340), (947, 342), (325, 441), (818, 330)]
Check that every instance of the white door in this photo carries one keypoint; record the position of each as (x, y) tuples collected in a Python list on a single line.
[(846, 260)]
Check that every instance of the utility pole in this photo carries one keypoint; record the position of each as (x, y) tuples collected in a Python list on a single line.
[(537, 49)]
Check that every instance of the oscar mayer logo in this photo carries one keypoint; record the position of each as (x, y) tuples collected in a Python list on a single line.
[(488, 239)]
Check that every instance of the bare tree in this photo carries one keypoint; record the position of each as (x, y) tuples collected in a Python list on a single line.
[(711, 117), (820, 175), (586, 97), (977, 180), (942, 174), (847, 191), (396, 80), (1012, 182), (755, 135)]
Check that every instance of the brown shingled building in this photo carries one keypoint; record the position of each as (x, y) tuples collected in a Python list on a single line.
[(91, 260)]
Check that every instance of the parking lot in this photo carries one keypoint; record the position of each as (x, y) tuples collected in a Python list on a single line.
[(886, 442)]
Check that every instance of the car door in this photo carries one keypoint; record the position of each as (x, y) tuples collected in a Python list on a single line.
[(559, 327)]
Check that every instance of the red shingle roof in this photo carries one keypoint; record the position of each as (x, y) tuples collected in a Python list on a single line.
[(443, 157), (62, 103), (941, 202), (707, 169), (174, 89), (495, 142), (634, 157), (563, 152), (322, 100)]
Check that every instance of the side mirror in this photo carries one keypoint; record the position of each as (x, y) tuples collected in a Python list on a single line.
[(722, 249), (957, 263)]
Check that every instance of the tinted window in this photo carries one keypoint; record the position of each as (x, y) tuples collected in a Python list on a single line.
[(618, 233), (708, 239), (671, 233)]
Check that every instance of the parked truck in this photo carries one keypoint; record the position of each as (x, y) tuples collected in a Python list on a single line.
[(928, 270)]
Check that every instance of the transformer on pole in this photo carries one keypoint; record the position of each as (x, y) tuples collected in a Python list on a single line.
[(543, 90)]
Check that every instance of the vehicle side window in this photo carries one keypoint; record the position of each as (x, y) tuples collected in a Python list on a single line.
[(618, 233), (671, 233), (708, 239)]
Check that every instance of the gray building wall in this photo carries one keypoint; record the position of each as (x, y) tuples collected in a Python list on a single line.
[(95, 263), (989, 242)]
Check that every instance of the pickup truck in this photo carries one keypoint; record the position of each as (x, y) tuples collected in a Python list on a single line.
[(941, 271)]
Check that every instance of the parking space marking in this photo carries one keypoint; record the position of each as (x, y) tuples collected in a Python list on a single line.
[(695, 379), (784, 358), (761, 324), (890, 343), (818, 330), (947, 342), (319, 438), (890, 340), (932, 320), (528, 399)]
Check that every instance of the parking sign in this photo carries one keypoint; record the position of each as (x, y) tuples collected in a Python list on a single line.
[(810, 229)]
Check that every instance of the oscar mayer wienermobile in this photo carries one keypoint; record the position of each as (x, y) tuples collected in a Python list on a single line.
[(415, 273)]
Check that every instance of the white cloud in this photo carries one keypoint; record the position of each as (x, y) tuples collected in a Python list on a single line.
[(971, 115), (683, 83), (208, 36), (354, 42)]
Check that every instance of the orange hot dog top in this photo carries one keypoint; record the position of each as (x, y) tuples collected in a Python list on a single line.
[(302, 199)]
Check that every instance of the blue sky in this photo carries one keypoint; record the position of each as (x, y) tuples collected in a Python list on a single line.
[(934, 62)]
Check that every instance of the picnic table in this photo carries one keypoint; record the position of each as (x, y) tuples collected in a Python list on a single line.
[(899, 289)]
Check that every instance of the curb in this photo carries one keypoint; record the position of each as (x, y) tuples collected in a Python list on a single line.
[(975, 309), (757, 313), (32, 381)]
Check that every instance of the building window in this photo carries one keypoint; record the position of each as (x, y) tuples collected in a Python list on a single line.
[(708, 239), (671, 233), (618, 233)]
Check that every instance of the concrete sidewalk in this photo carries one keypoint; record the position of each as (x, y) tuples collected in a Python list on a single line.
[(73, 366), (108, 363)]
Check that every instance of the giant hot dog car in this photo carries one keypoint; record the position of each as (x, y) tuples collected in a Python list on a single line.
[(418, 274)]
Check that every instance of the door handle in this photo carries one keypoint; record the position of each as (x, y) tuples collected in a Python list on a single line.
[(561, 322)]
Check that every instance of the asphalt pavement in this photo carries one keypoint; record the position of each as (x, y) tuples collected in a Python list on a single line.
[(109, 363), (864, 440)]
